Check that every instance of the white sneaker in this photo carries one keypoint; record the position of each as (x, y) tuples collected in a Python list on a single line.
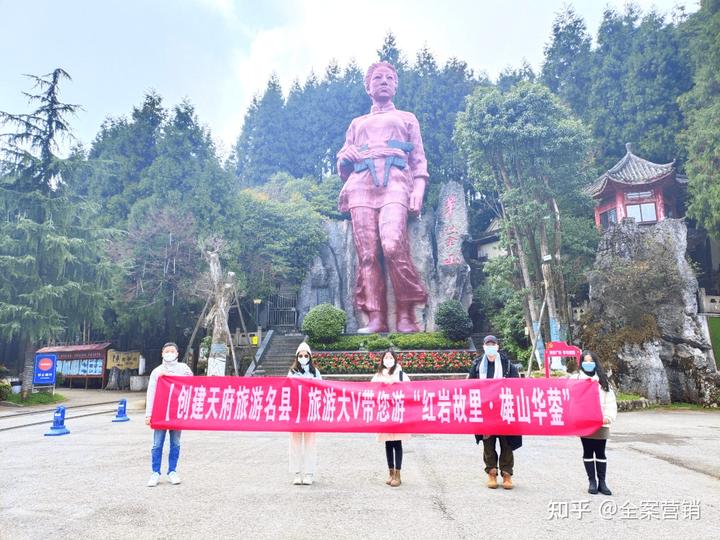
[(154, 479), (308, 480), (174, 478), (297, 480)]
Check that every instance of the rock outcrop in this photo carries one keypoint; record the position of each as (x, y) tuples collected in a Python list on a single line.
[(436, 246), (677, 363)]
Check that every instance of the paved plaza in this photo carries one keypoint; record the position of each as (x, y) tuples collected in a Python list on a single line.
[(664, 470)]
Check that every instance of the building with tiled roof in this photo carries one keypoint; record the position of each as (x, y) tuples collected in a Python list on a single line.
[(637, 188)]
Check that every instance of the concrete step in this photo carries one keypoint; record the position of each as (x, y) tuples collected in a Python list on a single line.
[(279, 355)]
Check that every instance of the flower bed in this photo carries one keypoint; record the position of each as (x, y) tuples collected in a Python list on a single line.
[(347, 362)]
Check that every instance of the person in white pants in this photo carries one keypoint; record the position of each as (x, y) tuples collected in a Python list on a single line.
[(303, 453)]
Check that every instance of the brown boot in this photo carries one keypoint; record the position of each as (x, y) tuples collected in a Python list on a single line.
[(390, 478), (492, 479), (507, 481), (396, 479)]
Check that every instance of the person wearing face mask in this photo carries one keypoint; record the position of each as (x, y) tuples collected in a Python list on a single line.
[(594, 445), (169, 366), (389, 372), (494, 364), (303, 453)]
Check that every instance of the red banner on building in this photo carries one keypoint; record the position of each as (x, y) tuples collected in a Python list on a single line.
[(489, 406)]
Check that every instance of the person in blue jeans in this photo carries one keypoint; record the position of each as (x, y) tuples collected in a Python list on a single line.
[(169, 366)]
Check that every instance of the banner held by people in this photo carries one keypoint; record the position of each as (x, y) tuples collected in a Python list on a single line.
[(498, 406)]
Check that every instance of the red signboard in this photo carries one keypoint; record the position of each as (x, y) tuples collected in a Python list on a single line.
[(559, 349), (45, 364), (488, 406)]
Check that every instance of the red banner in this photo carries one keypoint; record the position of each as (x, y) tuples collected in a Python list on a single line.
[(489, 406)]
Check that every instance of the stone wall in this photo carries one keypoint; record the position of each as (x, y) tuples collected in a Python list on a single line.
[(436, 246)]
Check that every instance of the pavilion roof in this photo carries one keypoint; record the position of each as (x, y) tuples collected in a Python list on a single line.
[(633, 170), (85, 347)]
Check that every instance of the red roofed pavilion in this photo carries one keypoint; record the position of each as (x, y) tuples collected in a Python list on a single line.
[(637, 188)]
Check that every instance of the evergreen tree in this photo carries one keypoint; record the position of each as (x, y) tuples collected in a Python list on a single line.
[(701, 105), (158, 178), (52, 255), (510, 76), (566, 69), (262, 148), (120, 154), (389, 52), (639, 70), (185, 174)]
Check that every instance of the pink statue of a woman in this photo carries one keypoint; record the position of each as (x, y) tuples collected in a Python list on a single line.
[(383, 165)]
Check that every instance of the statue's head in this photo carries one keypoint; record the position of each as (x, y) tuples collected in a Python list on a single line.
[(382, 66)]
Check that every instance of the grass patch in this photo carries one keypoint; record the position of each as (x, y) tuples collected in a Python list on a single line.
[(680, 406), (622, 396), (41, 398)]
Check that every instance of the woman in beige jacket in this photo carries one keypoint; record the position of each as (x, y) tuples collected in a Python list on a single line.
[(390, 372)]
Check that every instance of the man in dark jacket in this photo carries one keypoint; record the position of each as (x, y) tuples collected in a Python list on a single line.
[(487, 366)]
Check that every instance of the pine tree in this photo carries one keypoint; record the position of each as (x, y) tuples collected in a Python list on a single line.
[(389, 52), (262, 148), (639, 69), (702, 107), (118, 158), (52, 255), (566, 69)]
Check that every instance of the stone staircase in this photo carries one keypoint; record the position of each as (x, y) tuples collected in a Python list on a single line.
[(279, 355)]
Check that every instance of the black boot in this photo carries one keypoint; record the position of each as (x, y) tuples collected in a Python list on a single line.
[(590, 470), (601, 470)]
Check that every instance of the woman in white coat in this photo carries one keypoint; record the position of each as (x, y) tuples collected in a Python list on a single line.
[(389, 372), (303, 454), (594, 444)]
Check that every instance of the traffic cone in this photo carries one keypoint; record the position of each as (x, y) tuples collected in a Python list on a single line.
[(58, 427), (121, 415)]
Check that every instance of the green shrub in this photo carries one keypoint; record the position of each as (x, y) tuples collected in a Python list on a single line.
[(453, 320), (378, 343), (343, 343), (425, 341), (324, 323), (4, 389)]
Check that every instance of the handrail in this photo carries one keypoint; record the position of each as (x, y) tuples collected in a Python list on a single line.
[(259, 354)]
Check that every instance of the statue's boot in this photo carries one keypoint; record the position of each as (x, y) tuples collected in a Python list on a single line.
[(376, 323), (406, 323)]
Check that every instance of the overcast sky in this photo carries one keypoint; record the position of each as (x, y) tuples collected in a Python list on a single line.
[(219, 53)]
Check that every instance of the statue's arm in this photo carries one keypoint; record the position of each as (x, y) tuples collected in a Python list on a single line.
[(418, 166), (348, 154)]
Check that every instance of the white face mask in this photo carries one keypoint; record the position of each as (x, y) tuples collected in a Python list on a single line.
[(388, 361), (490, 350), (304, 360), (170, 356)]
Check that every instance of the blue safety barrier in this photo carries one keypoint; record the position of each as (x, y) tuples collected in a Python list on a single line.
[(58, 427), (121, 415)]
